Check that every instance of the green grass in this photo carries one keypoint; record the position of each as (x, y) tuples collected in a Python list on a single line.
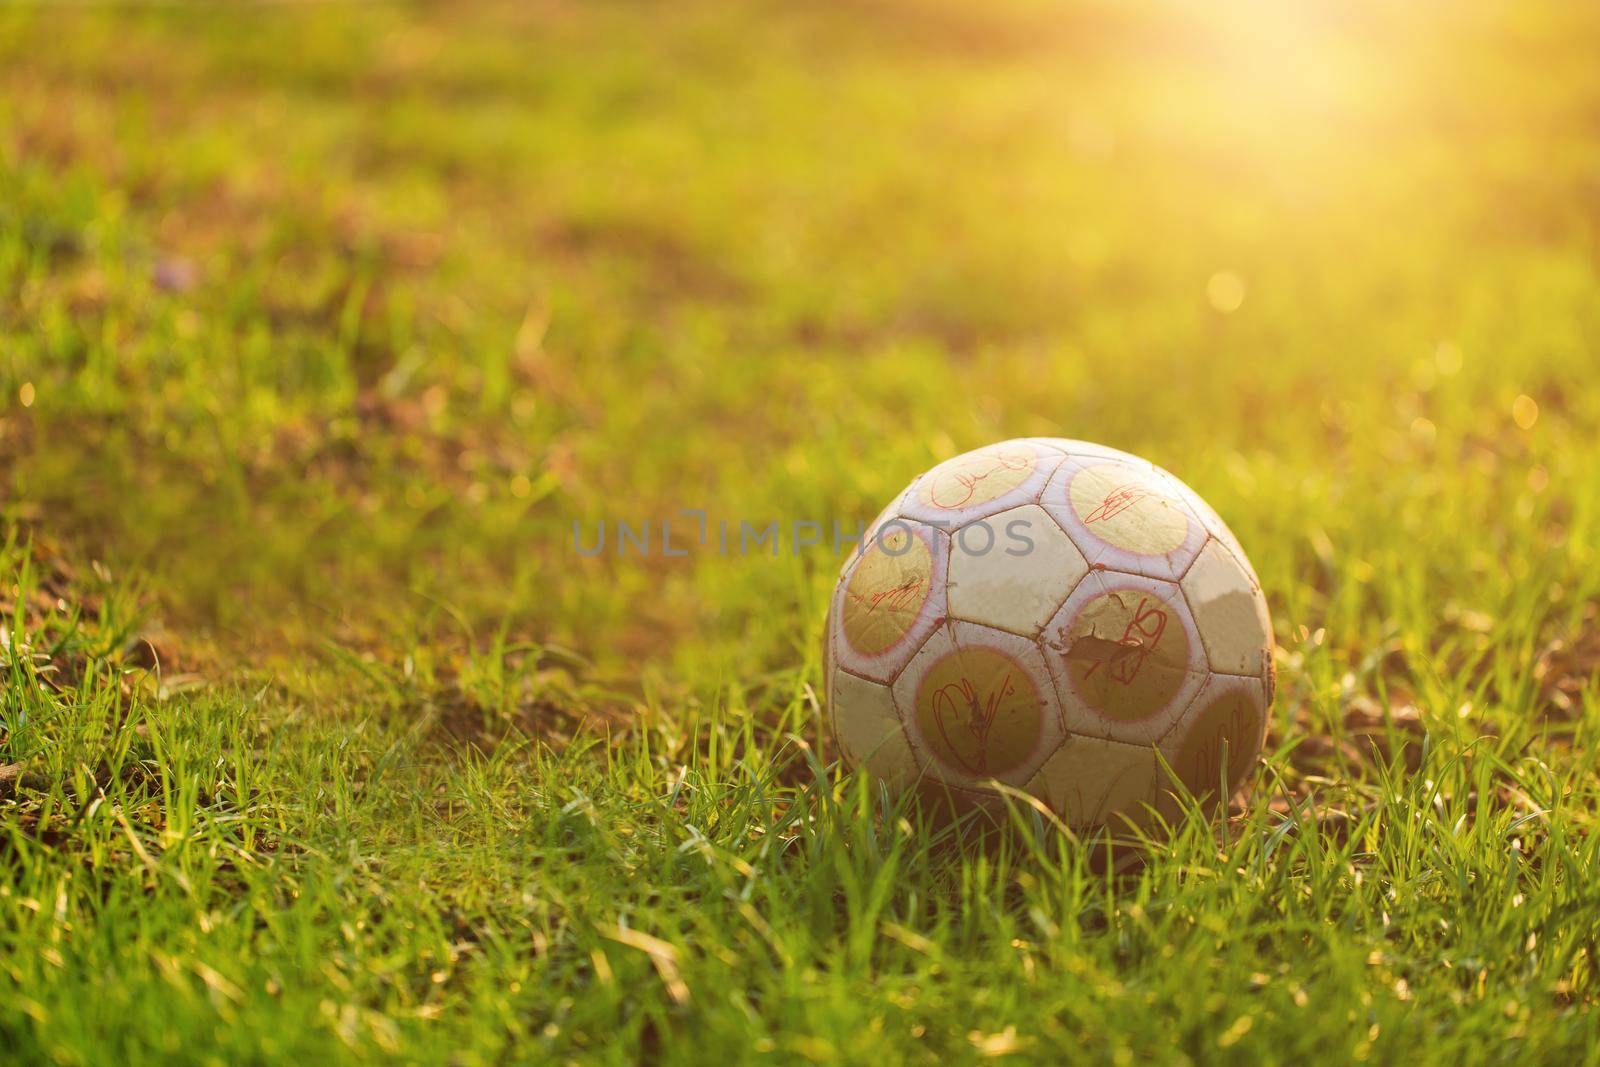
[(321, 324)]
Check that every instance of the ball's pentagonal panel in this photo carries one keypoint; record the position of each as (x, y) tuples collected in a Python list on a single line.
[(1210, 520), (870, 532), (1013, 570), (978, 705), (1214, 745), (1090, 450), (981, 483), (1229, 611), (1052, 444), (1090, 781), (870, 734), (890, 599), (1045, 613), (1125, 657), (1125, 516)]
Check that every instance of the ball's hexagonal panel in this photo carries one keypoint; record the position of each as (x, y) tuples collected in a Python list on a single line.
[(1124, 516), (1125, 657), (1012, 570), (1229, 611), (980, 483), (938, 645), (868, 730), (978, 704), (1093, 782), (1214, 745), (890, 599)]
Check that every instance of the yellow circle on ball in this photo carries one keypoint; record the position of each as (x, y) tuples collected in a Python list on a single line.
[(1228, 728), (887, 591), (979, 711), (977, 477), (1128, 508), (1127, 654)]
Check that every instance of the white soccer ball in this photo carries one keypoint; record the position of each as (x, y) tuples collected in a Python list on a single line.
[(1049, 614)]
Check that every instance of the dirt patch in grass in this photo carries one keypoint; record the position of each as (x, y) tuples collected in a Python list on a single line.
[(481, 699), (1568, 665)]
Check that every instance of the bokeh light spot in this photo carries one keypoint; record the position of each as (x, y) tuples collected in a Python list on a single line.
[(1525, 411), (1225, 291)]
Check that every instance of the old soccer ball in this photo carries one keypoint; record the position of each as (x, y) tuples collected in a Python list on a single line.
[(1050, 614)]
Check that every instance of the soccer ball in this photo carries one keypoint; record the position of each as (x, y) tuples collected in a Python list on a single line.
[(1050, 614)]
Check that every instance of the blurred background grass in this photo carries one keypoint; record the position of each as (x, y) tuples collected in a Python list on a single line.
[(322, 316), (320, 324)]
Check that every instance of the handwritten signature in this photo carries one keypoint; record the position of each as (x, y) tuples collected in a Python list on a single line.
[(897, 598), (1117, 501), (1140, 637), (957, 709), (968, 480)]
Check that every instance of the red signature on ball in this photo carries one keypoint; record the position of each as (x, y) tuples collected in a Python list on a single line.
[(1117, 501), (949, 704), (969, 480), (1139, 638)]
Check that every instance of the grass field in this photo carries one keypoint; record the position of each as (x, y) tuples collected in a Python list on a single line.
[(321, 325)]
